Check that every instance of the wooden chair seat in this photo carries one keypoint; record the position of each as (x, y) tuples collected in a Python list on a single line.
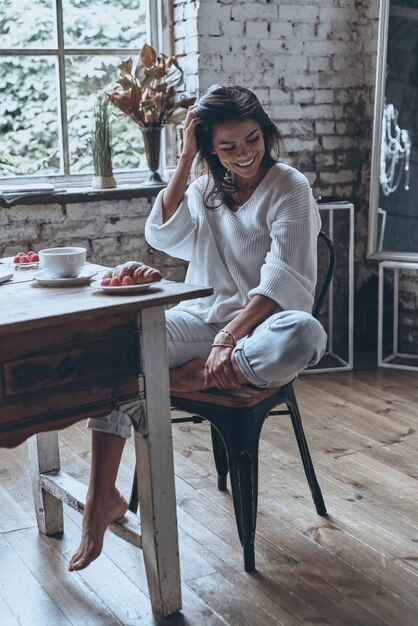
[(247, 395)]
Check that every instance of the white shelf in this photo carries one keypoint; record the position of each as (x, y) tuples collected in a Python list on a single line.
[(335, 359), (396, 359)]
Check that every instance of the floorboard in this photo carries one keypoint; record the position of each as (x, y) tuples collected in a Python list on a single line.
[(358, 566)]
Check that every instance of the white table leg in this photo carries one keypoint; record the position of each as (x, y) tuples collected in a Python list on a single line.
[(155, 467), (44, 457)]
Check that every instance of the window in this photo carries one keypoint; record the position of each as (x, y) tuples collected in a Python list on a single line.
[(55, 55)]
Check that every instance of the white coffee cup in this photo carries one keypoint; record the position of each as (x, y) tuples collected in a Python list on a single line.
[(62, 262)]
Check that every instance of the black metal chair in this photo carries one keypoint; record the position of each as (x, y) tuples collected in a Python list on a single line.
[(236, 418)]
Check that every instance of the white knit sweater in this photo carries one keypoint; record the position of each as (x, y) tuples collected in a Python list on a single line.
[(268, 246)]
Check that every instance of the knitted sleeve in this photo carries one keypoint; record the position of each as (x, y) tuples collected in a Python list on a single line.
[(176, 236), (288, 275)]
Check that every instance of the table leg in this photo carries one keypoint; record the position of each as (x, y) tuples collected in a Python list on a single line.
[(44, 458), (155, 471)]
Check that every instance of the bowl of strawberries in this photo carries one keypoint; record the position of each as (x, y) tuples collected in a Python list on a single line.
[(26, 257), (22, 260)]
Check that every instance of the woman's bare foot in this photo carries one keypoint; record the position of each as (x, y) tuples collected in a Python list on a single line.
[(189, 377), (98, 514)]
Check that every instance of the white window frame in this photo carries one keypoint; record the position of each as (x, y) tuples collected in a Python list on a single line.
[(158, 35)]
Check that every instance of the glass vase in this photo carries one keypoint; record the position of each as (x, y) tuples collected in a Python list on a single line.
[(152, 145)]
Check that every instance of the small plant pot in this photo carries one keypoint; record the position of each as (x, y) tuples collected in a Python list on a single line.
[(103, 182)]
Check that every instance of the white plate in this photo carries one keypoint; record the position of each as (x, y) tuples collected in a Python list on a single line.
[(8, 260), (127, 288), (47, 281)]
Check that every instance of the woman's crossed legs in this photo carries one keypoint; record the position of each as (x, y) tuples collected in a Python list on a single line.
[(272, 355)]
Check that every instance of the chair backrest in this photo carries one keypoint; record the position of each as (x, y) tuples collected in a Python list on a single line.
[(319, 301)]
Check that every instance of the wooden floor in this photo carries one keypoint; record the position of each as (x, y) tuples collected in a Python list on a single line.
[(358, 566)]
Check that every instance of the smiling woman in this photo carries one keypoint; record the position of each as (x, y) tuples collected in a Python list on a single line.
[(53, 59), (256, 328)]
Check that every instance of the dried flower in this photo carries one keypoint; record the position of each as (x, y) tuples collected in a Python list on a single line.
[(148, 92)]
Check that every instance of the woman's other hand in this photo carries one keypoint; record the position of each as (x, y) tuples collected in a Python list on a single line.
[(218, 370)]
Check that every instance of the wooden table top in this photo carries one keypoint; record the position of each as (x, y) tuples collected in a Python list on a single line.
[(24, 302)]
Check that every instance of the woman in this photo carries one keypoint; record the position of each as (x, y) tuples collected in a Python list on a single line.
[(248, 228)]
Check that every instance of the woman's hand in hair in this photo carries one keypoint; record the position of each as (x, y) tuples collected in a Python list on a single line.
[(174, 193), (189, 134)]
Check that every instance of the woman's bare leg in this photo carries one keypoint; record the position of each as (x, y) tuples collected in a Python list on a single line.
[(104, 503)]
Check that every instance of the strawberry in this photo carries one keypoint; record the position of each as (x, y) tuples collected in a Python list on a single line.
[(115, 282), (33, 257), (18, 257), (30, 252), (105, 282), (24, 259), (127, 281)]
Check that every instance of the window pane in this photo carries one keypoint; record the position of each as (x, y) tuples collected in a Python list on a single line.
[(104, 23), (27, 24), (85, 77), (28, 116)]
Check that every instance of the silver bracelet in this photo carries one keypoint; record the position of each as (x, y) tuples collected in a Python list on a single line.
[(222, 345), (228, 332)]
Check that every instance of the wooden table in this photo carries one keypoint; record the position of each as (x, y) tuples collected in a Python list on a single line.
[(74, 352)]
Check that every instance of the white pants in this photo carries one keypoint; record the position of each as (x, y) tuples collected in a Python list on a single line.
[(273, 354)]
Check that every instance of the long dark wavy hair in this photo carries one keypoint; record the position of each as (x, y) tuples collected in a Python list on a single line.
[(220, 104)]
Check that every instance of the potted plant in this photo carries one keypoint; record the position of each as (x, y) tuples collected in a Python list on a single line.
[(147, 93), (102, 147)]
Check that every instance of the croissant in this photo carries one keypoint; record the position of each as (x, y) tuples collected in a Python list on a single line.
[(139, 272)]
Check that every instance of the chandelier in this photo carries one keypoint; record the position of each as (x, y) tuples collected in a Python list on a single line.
[(394, 153)]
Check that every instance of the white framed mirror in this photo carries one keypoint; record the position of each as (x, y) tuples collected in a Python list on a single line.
[(393, 209)]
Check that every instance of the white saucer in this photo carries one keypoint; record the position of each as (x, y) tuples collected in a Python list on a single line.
[(127, 288), (5, 277), (47, 281)]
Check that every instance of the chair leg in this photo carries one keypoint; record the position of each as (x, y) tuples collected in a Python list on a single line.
[(220, 458), (240, 434), (244, 486), (133, 500), (293, 408)]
